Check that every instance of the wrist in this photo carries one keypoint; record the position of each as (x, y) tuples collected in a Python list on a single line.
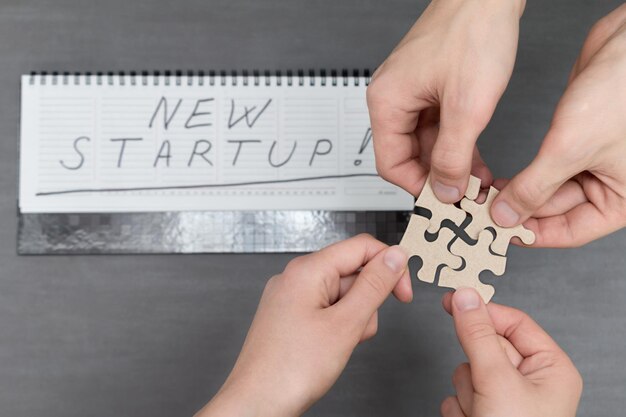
[(518, 5), (238, 399)]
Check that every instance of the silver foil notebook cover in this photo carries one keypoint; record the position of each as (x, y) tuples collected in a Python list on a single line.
[(200, 232)]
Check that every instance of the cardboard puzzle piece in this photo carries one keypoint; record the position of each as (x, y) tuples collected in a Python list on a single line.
[(482, 256), (433, 254), (440, 211), (481, 219), (477, 259), (449, 278), (473, 188), (443, 211)]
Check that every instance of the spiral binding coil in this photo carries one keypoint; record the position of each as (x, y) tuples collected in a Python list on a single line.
[(256, 78)]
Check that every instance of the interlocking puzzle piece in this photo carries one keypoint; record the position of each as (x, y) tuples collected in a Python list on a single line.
[(433, 254), (473, 188), (477, 259), (442, 211), (481, 219), (450, 278)]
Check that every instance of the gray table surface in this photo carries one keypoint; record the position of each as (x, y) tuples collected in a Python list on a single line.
[(156, 335)]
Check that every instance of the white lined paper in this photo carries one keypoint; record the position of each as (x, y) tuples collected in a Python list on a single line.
[(254, 147)]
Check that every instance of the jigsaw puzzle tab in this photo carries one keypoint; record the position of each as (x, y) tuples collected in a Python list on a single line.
[(444, 211), (481, 219), (473, 188), (433, 254)]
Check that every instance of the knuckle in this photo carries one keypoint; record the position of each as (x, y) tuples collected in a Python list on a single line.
[(561, 145), (449, 163), (370, 332), (479, 331), (494, 380), (376, 282), (474, 110), (272, 284), (383, 170), (480, 117), (601, 29), (295, 265), (526, 193), (365, 237), (376, 92)]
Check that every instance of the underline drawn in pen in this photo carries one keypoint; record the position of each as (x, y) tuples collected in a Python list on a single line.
[(201, 186)]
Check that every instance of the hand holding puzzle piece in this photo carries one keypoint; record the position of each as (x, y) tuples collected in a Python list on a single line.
[(462, 262)]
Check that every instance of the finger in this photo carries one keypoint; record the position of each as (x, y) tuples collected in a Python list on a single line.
[(534, 186), (372, 325), (394, 115), (481, 170), (526, 336), (370, 329), (397, 161), (568, 196), (450, 407), (581, 225), (514, 356), (403, 291), (462, 381), (598, 37), (373, 285), (426, 134), (339, 259), (446, 302), (323, 269), (344, 286), (478, 337), (453, 153)]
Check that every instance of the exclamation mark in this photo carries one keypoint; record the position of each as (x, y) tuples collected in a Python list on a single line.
[(366, 140)]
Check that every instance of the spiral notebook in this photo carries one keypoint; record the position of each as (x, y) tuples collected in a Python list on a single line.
[(207, 147)]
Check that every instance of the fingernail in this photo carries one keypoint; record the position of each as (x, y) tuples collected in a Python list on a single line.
[(504, 215), (466, 299), (446, 193), (395, 258)]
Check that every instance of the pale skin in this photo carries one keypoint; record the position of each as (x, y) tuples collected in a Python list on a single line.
[(313, 315), (310, 319), (514, 367), (431, 99), (426, 118)]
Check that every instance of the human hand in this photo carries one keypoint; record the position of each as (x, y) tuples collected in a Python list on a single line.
[(575, 189), (436, 92), (310, 319), (515, 368)]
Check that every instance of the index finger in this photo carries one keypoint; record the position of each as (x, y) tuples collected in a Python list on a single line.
[(343, 258), (526, 336), (394, 117)]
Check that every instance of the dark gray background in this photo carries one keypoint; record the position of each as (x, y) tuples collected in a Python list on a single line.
[(156, 335)]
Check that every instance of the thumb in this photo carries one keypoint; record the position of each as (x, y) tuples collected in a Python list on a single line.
[(478, 336), (528, 191), (374, 284), (453, 152)]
